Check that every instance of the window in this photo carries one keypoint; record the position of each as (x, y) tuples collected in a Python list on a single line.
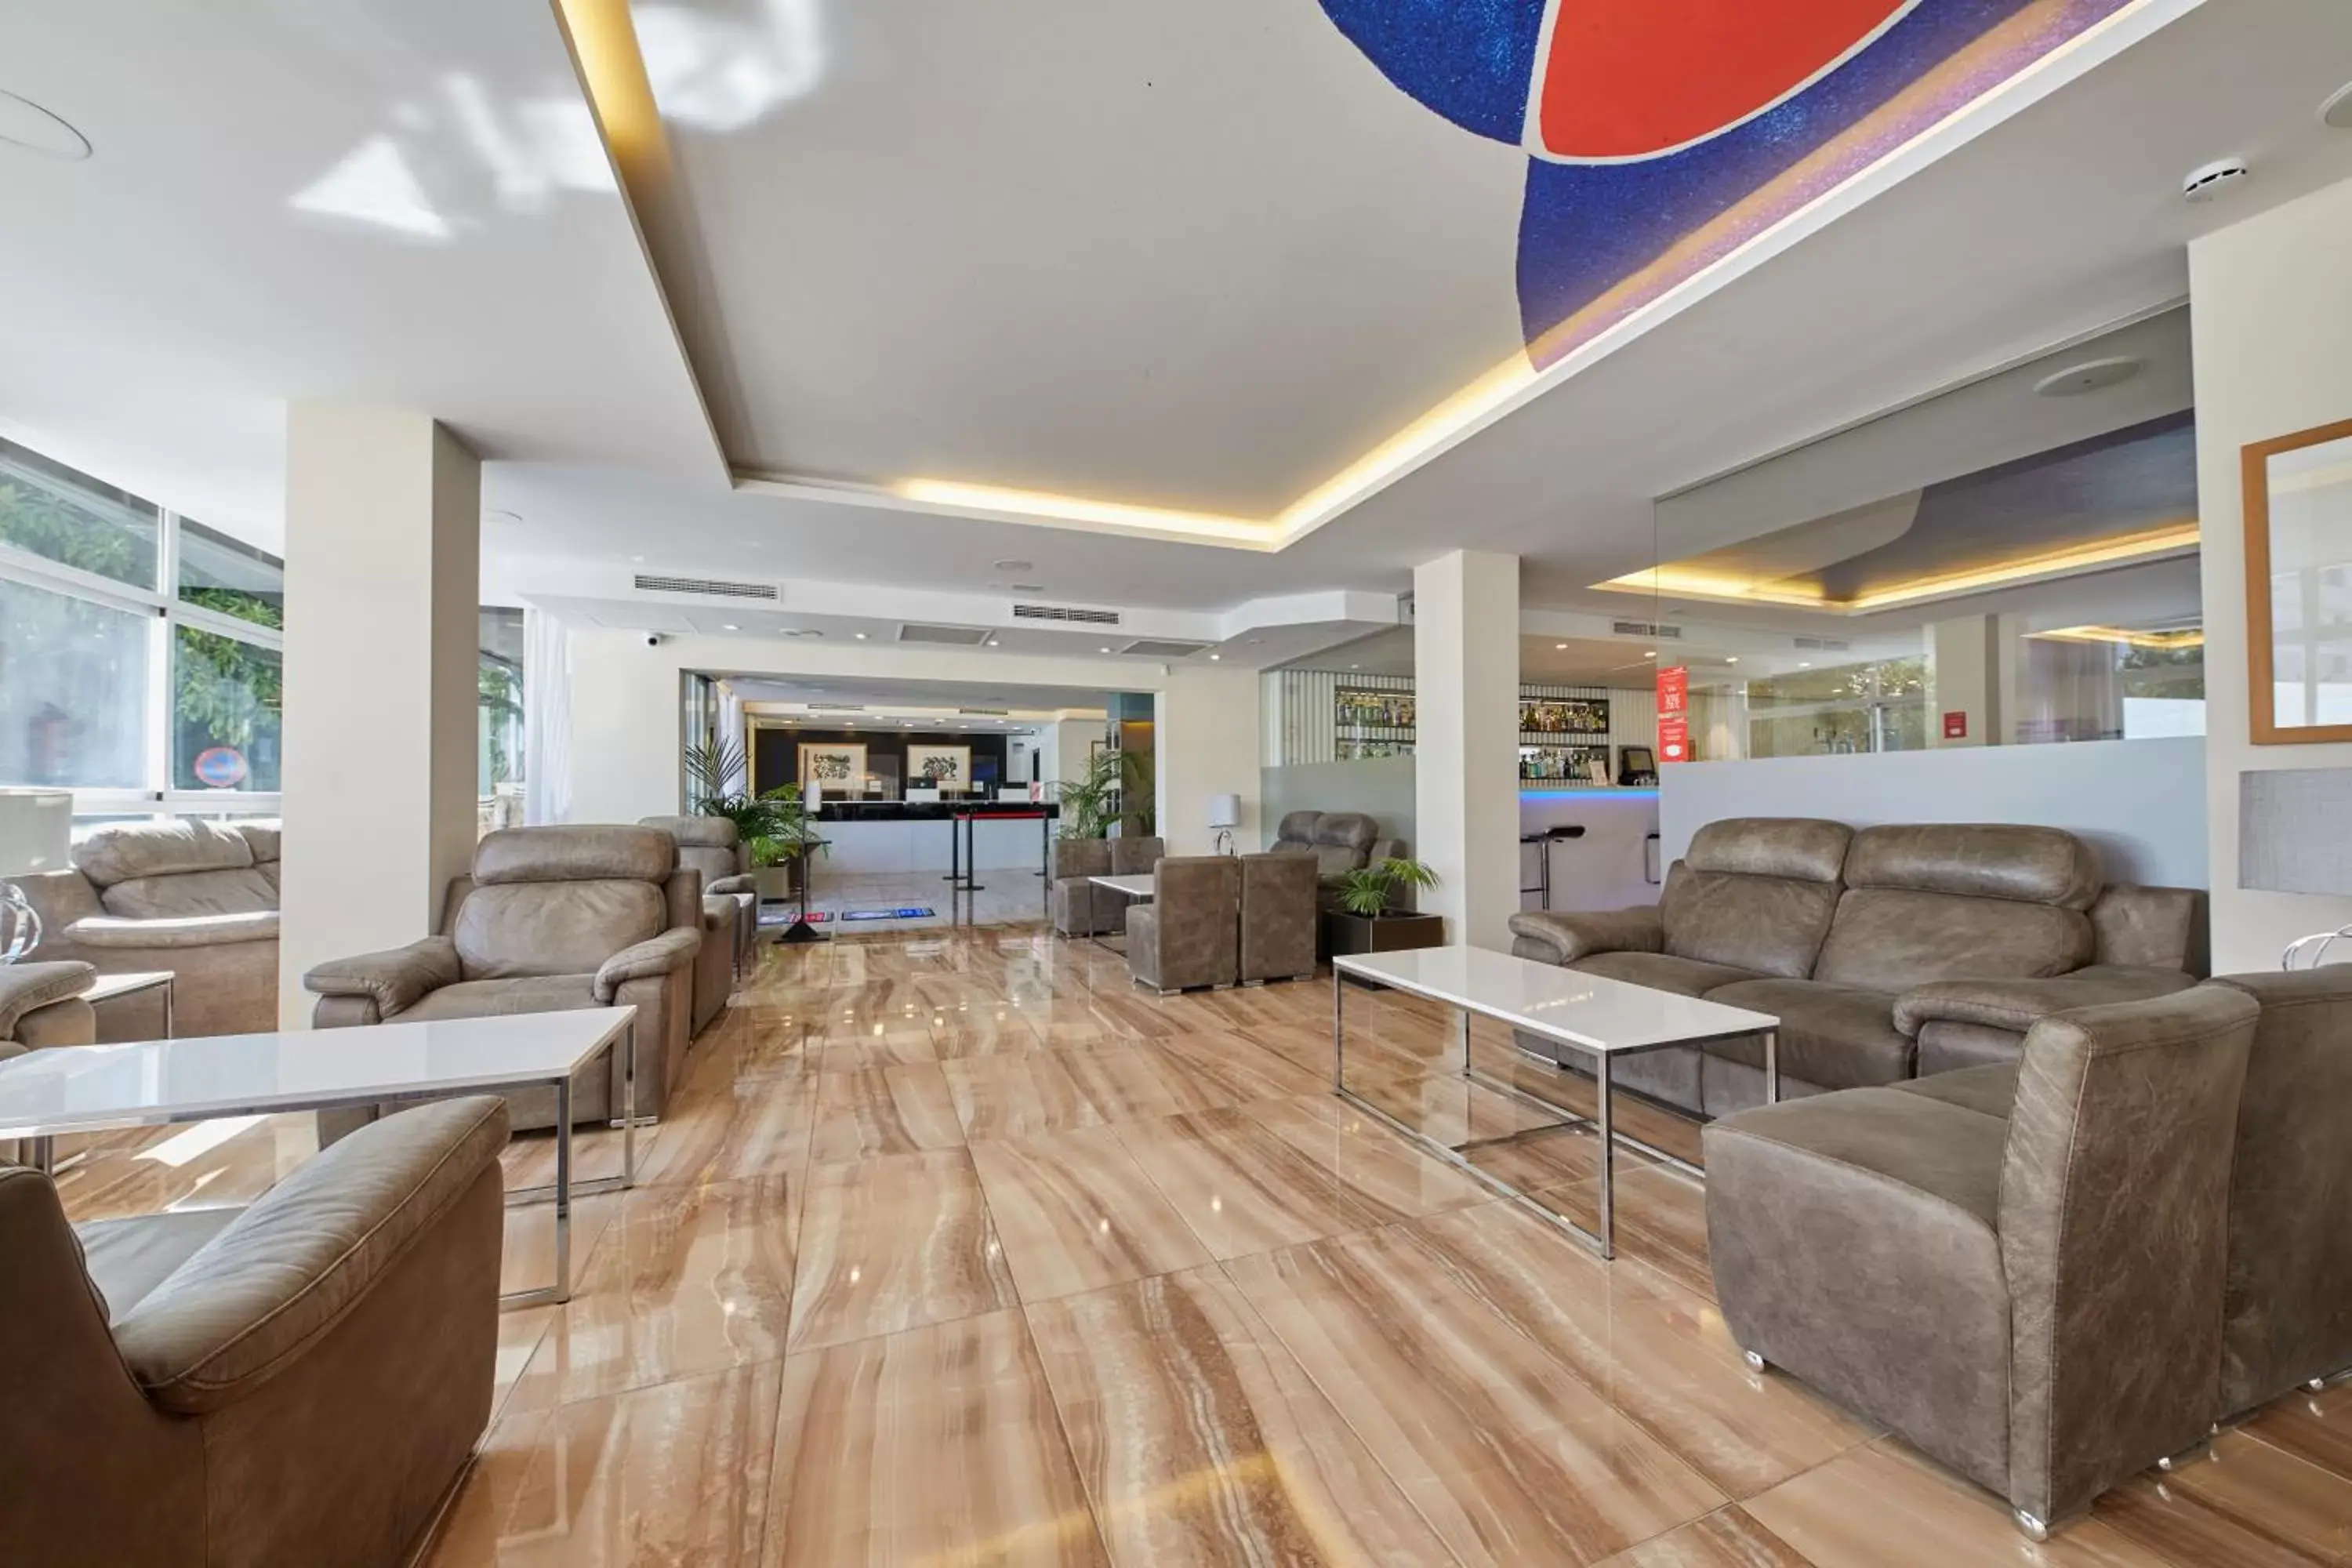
[(1879, 707), (141, 662)]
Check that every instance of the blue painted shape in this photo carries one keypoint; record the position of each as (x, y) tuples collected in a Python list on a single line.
[(1473, 61)]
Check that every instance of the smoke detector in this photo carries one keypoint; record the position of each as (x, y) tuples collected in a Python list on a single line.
[(2091, 376), (2204, 184)]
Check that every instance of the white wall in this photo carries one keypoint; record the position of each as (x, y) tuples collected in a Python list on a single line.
[(1205, 742), (2272, 322), (2142, 803)]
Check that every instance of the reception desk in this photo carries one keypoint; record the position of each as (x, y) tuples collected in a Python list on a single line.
[(881, 838)]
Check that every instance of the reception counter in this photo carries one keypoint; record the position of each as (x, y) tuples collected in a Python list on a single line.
[(889, 838)]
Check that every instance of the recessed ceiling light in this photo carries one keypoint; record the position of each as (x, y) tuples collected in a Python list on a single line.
[(729, 627), (1214, 657), (1804, 664), (1103, 650), (1731, 660), (1560, 648), (2091, 376), (1012, 565), (24, 123), (1355, 667), (989, 643), (861, 637), (1028, 587), (1649, 656), (2338, 110), (637, 559)]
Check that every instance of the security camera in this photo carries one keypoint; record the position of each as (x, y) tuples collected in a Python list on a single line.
[(653, 639)]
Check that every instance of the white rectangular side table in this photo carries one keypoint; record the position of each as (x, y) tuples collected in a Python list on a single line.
[(157, 1083), (1601, 1017)]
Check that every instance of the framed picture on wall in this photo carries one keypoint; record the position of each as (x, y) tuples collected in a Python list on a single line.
[(939, 767), (2298, 495), (835, 769)]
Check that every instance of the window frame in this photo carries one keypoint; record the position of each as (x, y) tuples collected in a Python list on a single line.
[(165, 613)]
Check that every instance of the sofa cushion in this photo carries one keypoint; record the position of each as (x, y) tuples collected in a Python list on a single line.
[(1990, 1089), (243, 891), (1831, 1036), (1894, 938), (122, 850), (262, 836), (574, 855), (2019, 1005), (2152, 928), (1766, 925), (1662, 972), (1945, 1047), (128, 1257), (1977, 860), (1794, 848), (1136, 856), (499, 998), (561, 928)]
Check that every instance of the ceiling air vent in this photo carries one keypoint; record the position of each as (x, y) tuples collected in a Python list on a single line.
[(1154, 648), (1069, 613), (836, 707), (952, 636), (1826, 645), (985, 712), (1648, 629), (709, 587)]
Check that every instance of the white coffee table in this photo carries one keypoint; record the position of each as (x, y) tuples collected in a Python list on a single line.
[(156, 1083), (1137, 887), (1604, 1018)]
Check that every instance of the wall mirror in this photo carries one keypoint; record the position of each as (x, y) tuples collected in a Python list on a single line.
[(2299, 493)]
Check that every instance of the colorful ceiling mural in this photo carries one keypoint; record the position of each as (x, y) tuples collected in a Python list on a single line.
[(1662, 134)]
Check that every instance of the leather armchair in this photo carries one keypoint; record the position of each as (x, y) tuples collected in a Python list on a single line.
[(301, 1381), (1189, 934), (1080, 907), (552, 918), (38, 1008), (1279, 917), (2018, 1269), (730, 905), (1338, 842), (199, 898)]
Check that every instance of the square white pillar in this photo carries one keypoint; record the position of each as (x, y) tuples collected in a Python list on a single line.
[(1205, 742), (1465, 651), (383, 580)]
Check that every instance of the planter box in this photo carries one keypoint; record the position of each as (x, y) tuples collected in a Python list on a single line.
[(1345, 933), (774, 882)]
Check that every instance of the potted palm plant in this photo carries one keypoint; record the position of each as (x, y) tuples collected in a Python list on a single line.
[(775, 823), (1090, 802), (1371, 917)]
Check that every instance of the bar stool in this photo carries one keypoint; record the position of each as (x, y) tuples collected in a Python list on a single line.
[(1543, 843)]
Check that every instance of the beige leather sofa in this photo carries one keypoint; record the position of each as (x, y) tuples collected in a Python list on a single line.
[(1338, 841), (552, 918), (196, 898), (730, 905), (299, 1382), (1888, 953)]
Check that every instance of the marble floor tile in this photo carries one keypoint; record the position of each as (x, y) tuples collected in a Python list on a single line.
[(757, 1127), (1017, 1096), (2248, 1504), (934, 1445), (1728, 1538), (1241, 1188), (1880, 1504), (899, 1110), (1075, 1212), (1201, 1441), (1130, 1082), (892, 1244), (1239, 1068), (2314, 1427), (1660, 1219), (684, 1280), (1368, 1157), (1657, 1352), (1509, 1457), (673, 1474), (1447, 1107)]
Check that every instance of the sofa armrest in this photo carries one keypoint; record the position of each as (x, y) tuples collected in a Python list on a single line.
[(1565, 938), (2017, 1005), (395, 980), (258, 1296), (741, 882), (175, 931), (29, 988), (673, 949)]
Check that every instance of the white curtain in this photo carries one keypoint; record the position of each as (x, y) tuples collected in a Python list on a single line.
[(547, 718), (731, 732)]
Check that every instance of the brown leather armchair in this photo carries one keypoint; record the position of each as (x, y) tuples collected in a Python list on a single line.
[(2018, 1269), (39, 1008), (552, 918), (301, 1381), (1189, 934), (1338, 842), (1080, 907), (730, 905), (1278, 916)]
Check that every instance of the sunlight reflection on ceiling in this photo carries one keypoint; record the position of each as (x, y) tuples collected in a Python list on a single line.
[(720, 74)]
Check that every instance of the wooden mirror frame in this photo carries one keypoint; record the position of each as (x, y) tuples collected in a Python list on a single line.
[(2262, 694)]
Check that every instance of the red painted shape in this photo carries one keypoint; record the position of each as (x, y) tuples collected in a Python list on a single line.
[(1956, 725), (1631, 79)]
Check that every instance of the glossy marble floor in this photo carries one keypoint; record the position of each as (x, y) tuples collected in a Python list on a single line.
[(959, 1250), (1015, 895)]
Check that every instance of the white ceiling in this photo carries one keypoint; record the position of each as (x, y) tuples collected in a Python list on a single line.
[(1178, 254)]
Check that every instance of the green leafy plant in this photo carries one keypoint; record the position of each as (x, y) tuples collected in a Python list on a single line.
[(1372, 890), (775, 823), (1090, 802)]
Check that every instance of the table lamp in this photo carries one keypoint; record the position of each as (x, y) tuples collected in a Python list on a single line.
[(1224, 815), (2291, 840), (35, 831)]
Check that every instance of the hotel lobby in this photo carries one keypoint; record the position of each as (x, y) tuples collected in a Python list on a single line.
[(1355, 782)]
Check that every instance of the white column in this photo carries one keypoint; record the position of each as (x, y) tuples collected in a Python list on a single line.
[(1964, 677), (382, 573), (2273, 331), (1205, 742), (1465, 651)]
